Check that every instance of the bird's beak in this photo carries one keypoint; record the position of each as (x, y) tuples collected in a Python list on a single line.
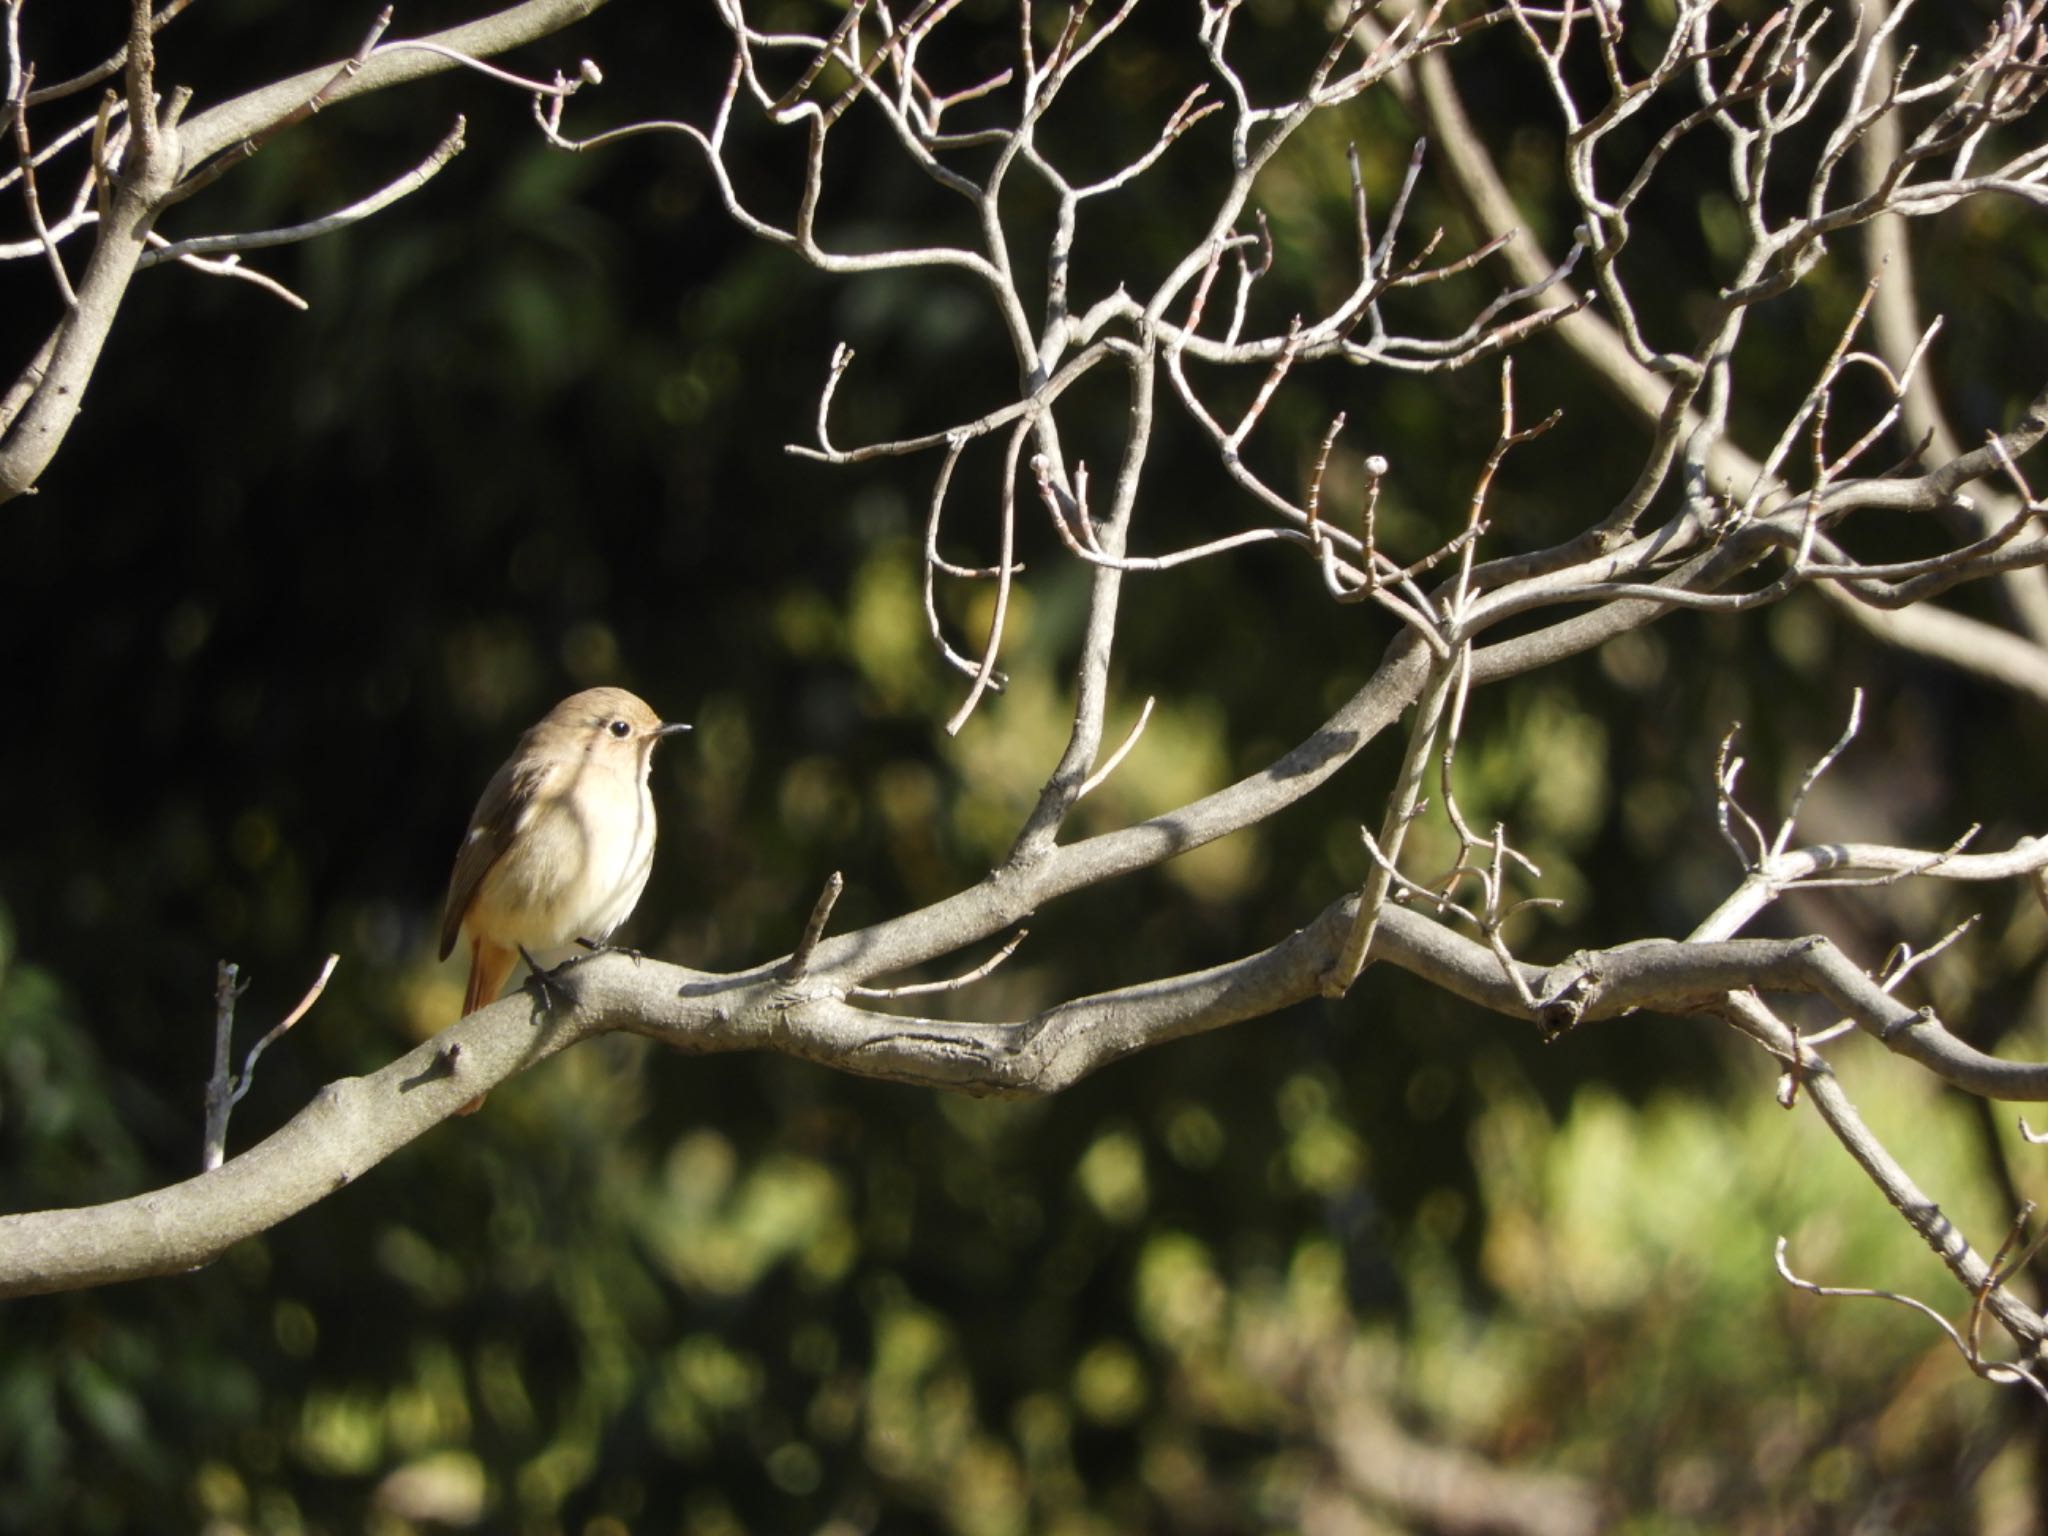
[(671, 728)]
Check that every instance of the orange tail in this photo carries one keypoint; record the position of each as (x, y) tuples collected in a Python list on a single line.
[(489, 965)]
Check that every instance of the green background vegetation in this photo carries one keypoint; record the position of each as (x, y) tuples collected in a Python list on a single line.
[(296, 582)]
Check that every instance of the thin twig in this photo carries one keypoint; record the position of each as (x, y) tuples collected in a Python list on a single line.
[(1402, 808), (220, 1084), (1109, 764), (108, 68), (223, 1090), (919, 988), (1997, 1372), (29, 196), (814, 930), (450, 146), (235, 154)]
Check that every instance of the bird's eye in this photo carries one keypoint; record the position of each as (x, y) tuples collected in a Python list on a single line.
[(620, 729)]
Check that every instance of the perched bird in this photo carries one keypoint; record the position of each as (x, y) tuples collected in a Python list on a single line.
[(559, 846)]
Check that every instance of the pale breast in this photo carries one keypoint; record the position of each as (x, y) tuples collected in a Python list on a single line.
[(574, 868)]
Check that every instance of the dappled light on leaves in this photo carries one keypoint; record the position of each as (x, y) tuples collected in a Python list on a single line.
[(1270, 915)]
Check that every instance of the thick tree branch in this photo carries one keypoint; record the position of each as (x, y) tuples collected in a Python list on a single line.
[(355, 1123), (217, 128)]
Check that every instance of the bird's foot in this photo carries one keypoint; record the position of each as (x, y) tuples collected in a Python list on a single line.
[(544, 980), (599, 947)]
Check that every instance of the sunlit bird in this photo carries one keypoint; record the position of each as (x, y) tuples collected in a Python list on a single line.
[(559, 847)]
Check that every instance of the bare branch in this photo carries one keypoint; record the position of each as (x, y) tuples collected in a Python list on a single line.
[(925, 988), (224, 1089), (112, 66), (1998, 1373), (209, 245), (29, 197), (814, 929), (1109, 764), (152, 171)]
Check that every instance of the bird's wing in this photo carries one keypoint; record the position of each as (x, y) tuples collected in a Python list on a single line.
[(507, 804)]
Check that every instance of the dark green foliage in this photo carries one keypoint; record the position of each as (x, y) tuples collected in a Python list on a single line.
[(296, 581)]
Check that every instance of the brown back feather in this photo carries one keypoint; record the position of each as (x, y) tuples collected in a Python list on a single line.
[(506, 803)]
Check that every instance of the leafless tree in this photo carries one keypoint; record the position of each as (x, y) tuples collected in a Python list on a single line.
[(1826, 130), (142, 156)]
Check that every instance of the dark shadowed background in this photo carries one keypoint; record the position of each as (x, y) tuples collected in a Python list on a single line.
[(296, 582)]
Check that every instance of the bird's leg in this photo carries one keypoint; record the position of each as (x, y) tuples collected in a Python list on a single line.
[(542, 978)]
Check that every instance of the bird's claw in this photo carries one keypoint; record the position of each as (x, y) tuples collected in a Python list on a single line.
[(598, 947), (540, 977)]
